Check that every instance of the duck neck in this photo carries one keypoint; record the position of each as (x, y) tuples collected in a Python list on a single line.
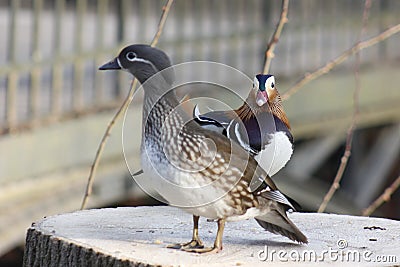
[(157, 92), (250, 108), (275, 107), (162, 116)]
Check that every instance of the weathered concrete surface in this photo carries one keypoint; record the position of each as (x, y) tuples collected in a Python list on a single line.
[(130, 236)]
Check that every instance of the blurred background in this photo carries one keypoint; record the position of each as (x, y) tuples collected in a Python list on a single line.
[(55, 105)]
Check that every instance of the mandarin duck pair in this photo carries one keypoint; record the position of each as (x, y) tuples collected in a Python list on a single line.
[(216, 165)]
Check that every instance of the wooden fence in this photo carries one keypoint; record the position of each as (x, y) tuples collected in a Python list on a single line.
[(51, 49)]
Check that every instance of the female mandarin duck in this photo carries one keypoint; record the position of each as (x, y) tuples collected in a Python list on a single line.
[(260, 125), (190, 157)]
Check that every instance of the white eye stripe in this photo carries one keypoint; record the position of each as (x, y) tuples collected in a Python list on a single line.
[(270, 83), (137, 59)]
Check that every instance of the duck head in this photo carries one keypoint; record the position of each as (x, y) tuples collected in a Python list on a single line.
[(142, 61)]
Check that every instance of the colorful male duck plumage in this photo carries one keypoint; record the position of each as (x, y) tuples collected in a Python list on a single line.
[(260, 125)]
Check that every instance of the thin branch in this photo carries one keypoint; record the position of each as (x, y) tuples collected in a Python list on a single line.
[(339, 174), (350, 131), (102, 144), (340, 59), (385, 197), (121, 110), (269, 53), (161, 23)]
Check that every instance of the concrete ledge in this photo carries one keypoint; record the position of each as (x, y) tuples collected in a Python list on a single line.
[(138, 237)]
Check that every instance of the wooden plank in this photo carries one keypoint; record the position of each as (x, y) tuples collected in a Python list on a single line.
[(79, 70), (36, 74), (13, 76), (325, 105), (63, 145), (102, 7), (58, 67)]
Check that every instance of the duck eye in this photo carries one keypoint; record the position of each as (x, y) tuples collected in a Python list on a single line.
[(130, 56), (272, 85)]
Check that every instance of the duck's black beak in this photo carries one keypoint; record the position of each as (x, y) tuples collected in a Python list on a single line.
[(112, 65)]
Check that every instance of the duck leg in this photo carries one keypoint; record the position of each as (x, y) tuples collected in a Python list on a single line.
[(195, 243), (217, 243)]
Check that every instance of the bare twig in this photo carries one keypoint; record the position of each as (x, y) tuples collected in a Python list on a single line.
[(385, 197), (121, 110), (161, 24), (349, 138), (338, 60), (269, 53)]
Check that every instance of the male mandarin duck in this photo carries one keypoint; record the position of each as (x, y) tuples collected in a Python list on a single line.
[(196, 169), (260, 125)]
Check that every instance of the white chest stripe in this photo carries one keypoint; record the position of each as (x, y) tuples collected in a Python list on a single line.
[(196, 114)]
